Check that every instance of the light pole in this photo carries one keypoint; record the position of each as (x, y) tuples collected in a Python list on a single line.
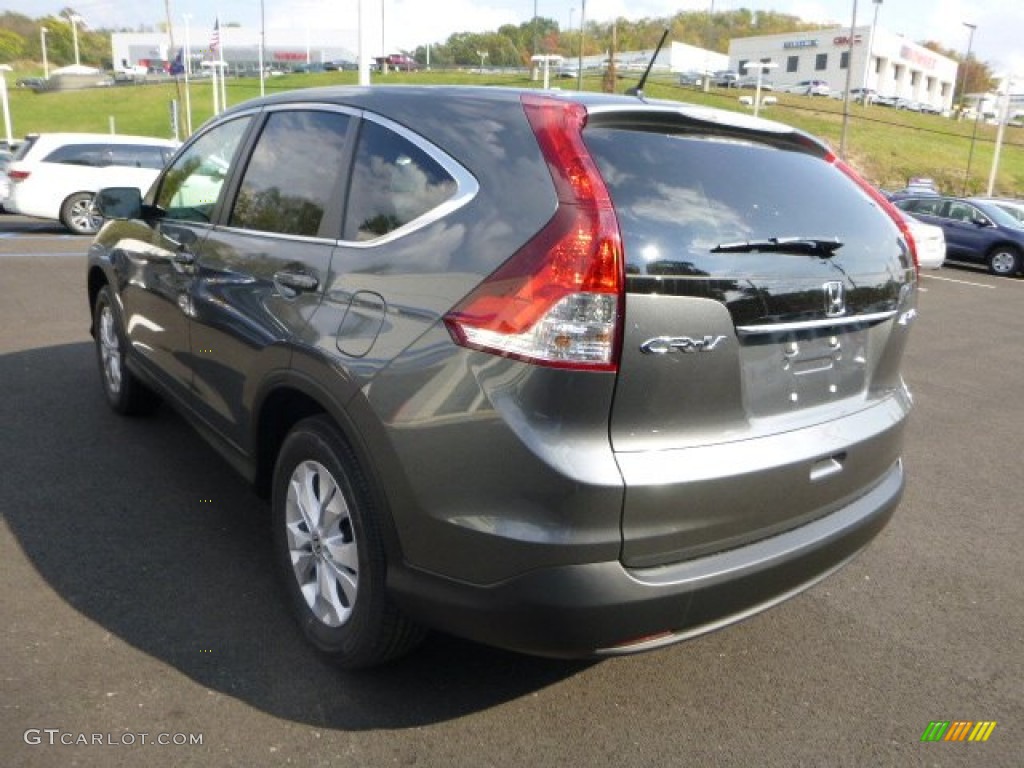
[(707, 43), (761, 67), (977, 108), (263, 46), (1003, 114), (583, 24), (963, 79), (188, 71), (871, 51), (42, 44), (4, 69), (73, 19), (846, 91)]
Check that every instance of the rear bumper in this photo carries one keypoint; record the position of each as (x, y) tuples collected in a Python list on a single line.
[(605, 609)]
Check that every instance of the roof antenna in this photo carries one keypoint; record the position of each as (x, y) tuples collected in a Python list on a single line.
[(638, 89)]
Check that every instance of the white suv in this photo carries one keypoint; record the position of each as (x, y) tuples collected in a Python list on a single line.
[(55, 175), (810, 88)]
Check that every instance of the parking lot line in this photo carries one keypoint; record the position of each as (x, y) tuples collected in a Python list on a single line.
[(961, 282), (41, 254)]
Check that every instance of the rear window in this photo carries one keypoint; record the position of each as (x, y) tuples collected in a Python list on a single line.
[(25, 146), (679, 196)]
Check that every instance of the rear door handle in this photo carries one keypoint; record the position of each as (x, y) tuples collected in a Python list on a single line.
[(297, 281)]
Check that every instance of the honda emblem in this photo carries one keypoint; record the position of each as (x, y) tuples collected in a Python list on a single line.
[(835, 299)]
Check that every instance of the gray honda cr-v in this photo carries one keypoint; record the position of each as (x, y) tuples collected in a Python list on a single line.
[(566, 374)]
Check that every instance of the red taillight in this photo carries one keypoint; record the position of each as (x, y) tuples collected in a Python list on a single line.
[(884, 204), (17, 175), (558, 300)]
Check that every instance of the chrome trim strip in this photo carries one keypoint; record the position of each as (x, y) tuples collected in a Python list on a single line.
[(809, 325)]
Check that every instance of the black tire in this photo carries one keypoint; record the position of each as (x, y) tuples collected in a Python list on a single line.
[(79, 215), (333, 560), (1003, 260), (125, 393)]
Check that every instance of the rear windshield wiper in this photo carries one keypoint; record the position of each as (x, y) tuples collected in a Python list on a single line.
[(810, 245)]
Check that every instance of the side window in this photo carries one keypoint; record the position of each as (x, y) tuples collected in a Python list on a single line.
[(394, 182), (190, 187), (91, 155), (294, 174), (922, 205), (962, 212), (137, 156)]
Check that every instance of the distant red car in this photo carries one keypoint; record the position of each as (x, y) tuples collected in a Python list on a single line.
[(398, 61)]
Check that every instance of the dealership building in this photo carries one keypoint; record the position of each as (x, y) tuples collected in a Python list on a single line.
[(890, 64), (239, 48)]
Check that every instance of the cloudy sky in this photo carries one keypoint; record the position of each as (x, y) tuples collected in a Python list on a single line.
[(408, 23)]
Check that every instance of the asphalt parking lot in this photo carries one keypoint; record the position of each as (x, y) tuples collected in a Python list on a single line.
[(139, 606)]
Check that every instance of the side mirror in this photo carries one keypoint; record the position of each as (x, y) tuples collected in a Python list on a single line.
[(980, 222), (122, 203)]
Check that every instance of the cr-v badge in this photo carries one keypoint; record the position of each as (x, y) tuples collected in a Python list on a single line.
[(662, 345)]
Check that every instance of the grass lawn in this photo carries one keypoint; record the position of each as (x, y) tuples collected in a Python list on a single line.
[(886, 145)]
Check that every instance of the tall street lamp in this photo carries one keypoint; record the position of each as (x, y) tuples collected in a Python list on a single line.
[(583, 24), (977, 108), (871, 49), (963, 79), (705, 77), (42, 44), (73, 20), (1002, 113), (846, 91), (188, 71)]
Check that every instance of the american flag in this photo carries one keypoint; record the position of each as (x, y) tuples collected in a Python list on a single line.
[(215, 36)]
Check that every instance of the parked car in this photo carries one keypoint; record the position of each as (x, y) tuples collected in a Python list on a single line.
[(55, 175), (862, 95), (398, 61), (693, 77), (929, 242), (5, 184), (809, 88), (1012, 206), (976, 230), (553, 371), (898, 102), (339, 65), (750, 81), (917, 186), (725, 78), (36, 83)]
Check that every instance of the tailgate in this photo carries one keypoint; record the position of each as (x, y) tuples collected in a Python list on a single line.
[(759, 384)]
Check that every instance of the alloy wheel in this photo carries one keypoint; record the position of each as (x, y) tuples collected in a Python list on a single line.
[(110, 350), (322, 544)]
